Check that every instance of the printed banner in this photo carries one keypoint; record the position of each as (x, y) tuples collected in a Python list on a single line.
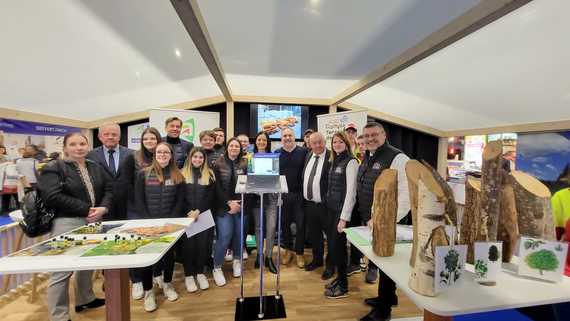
[(328, 124), (30, 128), (193, 122)]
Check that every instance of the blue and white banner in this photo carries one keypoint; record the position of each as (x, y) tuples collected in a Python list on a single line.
[(11, 126)]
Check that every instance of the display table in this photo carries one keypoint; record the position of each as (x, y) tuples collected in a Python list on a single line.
[(102, 255), (511, 291)]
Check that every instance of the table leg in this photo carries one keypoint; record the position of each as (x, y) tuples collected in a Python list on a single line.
[(117, 297), (428, 316)]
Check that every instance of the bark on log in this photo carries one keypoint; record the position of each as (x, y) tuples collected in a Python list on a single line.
[(508, 231), (431, 232), (384, 213), (471, 222), (491, 182), (451, 206), (413, 170), (532, 199)]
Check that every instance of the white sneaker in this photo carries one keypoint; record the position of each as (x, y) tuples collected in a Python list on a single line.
[(236, 264), (219, 276), (202, 281), (191, 286), (149, 301), (229, 256), (169, 291), (245, 255), (137, 291), (158, 280)]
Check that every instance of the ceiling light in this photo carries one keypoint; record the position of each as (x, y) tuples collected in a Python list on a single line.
[(177, 53), (138, 74)]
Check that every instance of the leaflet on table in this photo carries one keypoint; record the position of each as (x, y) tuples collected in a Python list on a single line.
[(204, 222), (363, 236)]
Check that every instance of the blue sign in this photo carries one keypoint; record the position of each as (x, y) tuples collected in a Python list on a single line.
[(32, 128)]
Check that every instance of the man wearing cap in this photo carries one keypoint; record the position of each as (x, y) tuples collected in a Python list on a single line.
[(306, 140), (352, 133)]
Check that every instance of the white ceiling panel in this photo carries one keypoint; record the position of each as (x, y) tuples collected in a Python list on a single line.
[(332, 40), (91, 59), (513, 71)]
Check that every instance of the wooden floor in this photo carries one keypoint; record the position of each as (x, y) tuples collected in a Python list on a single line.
[(302, 292)]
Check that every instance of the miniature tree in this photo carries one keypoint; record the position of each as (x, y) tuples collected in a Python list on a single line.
[(493, 253), (543, 260)]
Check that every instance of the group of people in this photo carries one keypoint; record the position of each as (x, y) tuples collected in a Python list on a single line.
[(330, 188)]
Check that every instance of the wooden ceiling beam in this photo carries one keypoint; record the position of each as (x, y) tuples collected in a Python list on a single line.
[(484, 13), (189, 13)]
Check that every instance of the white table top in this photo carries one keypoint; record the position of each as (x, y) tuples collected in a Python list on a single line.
[(511, 290), (63, 262)]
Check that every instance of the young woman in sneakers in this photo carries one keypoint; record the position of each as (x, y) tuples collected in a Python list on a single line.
[(227, 169), (199, 197), (159, 193), (341, 196)]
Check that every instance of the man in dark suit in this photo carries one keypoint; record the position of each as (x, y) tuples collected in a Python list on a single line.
[(110, 156), (315, 184)]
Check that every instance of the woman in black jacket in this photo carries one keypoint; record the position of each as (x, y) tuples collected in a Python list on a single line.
[(134, 162), (228, 167), (340, 199), (80, 192), (159, 193), (199, 197)]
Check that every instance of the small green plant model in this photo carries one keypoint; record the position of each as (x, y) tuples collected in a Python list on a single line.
[(452, 270), (543, 260), (481, 268)]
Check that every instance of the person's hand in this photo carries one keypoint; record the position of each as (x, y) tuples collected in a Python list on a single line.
[(369, 224), (234, 207), (96, 214), (193, 214), (341, 225)]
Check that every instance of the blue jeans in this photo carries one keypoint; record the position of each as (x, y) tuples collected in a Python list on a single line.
[(228, 232)]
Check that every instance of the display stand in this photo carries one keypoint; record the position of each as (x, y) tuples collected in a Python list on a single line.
[(262, 307)]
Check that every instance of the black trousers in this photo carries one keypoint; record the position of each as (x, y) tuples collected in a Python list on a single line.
[(337, 247), (148, 272), (386, 293), (355, 254), (292, 212), (317, 224), (194, 252)]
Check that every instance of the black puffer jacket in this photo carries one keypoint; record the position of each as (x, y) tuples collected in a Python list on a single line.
[(158, 200), (197, 196), (226, 172), (63, 190), (336, 192), (181, 149)]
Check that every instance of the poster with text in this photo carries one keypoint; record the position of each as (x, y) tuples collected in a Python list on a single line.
[(134, 133), (193, 122), (329, 124)]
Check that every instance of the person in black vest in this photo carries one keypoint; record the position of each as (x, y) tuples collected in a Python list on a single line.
[(341, 197), (159, 193), (80, 191), (291, 163), (111, 156), (227, 169), (208, 142), (315, 183), (199, 197), (134, 162), (379, 156), (173, 127), (220, 146)]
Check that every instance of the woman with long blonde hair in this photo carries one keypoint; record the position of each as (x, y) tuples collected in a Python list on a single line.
[(198, 197)]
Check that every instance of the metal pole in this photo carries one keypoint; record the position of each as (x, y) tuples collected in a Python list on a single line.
[(260, 250), (279, 204), (241, 249)]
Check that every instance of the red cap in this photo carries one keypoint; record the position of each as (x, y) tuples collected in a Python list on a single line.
[(351, 125)]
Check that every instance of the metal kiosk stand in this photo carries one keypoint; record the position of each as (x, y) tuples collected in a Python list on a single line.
[(269, 306)]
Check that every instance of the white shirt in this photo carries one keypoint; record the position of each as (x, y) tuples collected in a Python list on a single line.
[(399, 164), (317, 180), (350, 198)]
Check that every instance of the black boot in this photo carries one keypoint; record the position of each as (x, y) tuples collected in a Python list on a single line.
[(270, 265)]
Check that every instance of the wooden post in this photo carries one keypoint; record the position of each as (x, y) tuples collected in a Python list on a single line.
[(431, 224), (117, 295), (508, 231), (490, 187), (471, 223), (384, 212), (413, 170), (533, 206)]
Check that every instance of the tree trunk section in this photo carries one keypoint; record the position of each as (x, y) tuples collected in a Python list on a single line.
[(491, 182), (384, 213), (431, 232), (413, 170), (471, 222), (532, 199), (508, 231), (450, 207)]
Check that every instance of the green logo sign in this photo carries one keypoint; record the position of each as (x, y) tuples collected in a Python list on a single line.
[(188, 130)]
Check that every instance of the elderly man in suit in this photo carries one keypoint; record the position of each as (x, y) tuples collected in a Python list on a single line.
[(110, 156)]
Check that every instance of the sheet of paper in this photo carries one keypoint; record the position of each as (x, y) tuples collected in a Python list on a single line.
[(204, 222)]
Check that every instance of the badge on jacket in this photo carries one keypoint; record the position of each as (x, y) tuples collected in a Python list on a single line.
[(168, 182), (338, 170), (376, 166)]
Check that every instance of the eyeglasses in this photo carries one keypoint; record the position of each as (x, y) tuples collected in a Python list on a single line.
[(163, 153)]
